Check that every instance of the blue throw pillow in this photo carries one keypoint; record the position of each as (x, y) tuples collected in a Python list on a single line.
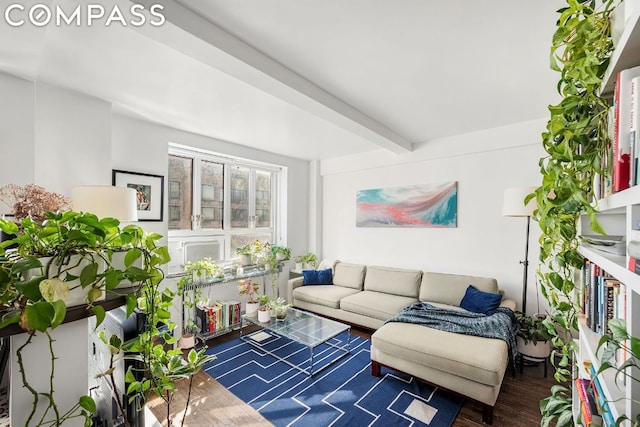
[(480, 302), (318, 277)]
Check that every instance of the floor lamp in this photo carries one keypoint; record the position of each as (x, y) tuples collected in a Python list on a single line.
[(514, 206)]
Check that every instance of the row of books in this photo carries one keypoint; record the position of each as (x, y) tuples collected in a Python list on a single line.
[(212, 318), (594, 407), (620, 160), (603, 298)]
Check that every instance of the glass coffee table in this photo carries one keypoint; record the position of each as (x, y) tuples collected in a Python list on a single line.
[(300, 334)]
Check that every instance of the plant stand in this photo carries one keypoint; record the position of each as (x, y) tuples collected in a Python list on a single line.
[(531, 354)]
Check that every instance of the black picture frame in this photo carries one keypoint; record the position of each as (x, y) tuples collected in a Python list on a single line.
[(149, 189)]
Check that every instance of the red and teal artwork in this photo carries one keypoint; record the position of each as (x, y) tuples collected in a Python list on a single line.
[(428, 205)]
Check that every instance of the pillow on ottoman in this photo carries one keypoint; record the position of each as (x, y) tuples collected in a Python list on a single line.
[(317, 277), (479, 301)]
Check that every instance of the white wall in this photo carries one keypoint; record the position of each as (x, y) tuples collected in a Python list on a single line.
[(484, 243), (16, 131)]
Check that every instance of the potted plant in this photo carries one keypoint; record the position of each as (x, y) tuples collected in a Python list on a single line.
[(308, 261), (281, 253), (533, 338), (65, 252), (196, 273), (279, 308), (264, 314), (249, 288), (246, 253)]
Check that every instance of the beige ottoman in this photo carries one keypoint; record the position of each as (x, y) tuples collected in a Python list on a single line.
[(468, 365)]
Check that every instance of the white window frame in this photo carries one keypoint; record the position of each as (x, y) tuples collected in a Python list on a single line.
[(180, 237)]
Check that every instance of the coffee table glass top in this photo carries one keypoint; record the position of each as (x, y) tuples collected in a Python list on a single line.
[(303, 327)]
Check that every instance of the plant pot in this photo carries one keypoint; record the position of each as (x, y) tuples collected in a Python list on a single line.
[(77, 294), (187, 341), (245, 259), (538, 350), (280, 256), (264, 316), (298, 266), (251, 309), (281, 313), (309, 266)]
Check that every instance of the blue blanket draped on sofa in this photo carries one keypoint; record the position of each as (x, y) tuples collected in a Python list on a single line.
[(501, 325)]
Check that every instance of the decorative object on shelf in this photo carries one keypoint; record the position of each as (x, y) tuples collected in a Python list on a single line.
[(264, 314), (429, 205), (252, 252), (514, 205), (575, 139), (250, 289), (149, 192), (611, 244), (308, 261), (31, 201), (281, 253), (278, 308)]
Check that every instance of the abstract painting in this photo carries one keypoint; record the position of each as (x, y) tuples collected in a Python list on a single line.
[(429, 205)]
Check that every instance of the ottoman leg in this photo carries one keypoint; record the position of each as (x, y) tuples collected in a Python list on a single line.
[(487, 414), (375, 368)]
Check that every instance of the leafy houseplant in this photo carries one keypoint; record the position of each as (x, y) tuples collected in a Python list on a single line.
[(38, 307), (620, 339), (281, 253), (308, 259), (264, 314), (533, 338), (575, 140), (279, 307), (250, 289)]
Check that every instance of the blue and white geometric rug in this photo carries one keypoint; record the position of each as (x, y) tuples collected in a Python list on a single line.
[(344, 394)]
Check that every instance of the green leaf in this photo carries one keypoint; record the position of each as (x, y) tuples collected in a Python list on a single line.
[(89, 274), (40, 315), (100, 313), (88, 404), (131, 256), (132, 303), (60, 311)]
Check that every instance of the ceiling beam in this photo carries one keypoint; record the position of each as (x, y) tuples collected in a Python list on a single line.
[(193, 35)]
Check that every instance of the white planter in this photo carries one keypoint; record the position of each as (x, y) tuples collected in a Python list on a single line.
[(77, 294), (298, 266), (246, 259), (280, 256), (309, 266), (252, 309), (264, 316), (187, 341), (539, 350)]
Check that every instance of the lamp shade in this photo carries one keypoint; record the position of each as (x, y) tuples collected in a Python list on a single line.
[(514, 202), (106, 201)]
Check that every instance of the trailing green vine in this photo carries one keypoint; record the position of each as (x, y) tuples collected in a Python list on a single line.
[(575, 140)]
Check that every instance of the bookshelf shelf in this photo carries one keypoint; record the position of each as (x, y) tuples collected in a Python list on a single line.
[(619, 215)]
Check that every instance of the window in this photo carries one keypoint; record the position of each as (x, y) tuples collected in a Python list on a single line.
[(220, 201)]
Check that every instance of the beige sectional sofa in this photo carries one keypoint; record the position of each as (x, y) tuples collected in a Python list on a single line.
[(370, 295)]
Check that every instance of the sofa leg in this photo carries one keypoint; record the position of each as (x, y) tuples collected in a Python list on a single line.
[(375, 368), (487, 414)]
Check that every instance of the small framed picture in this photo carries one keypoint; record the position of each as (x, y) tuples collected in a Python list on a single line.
[(149, 192)]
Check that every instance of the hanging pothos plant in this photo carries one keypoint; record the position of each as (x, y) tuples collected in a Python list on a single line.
[(575, 140)]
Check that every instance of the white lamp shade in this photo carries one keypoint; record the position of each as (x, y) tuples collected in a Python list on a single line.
[(514, 202), (106, 201)]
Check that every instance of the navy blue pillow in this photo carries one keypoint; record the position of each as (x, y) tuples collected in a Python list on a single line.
[(318, 277), (480, 302)]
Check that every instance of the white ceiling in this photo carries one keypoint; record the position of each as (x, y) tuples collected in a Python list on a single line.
[(312, 79)]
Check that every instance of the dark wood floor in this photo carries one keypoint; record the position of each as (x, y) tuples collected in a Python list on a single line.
[(213, 405)]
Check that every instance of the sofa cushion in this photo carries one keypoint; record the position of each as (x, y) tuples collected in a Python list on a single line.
[(450, 288), (475, 358), (375, 304), (349, 275), (317, 277), (326, 295), (396, 281), (480, 302)]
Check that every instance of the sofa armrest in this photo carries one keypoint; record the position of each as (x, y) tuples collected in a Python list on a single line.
[(291, 285), (509, 303)]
